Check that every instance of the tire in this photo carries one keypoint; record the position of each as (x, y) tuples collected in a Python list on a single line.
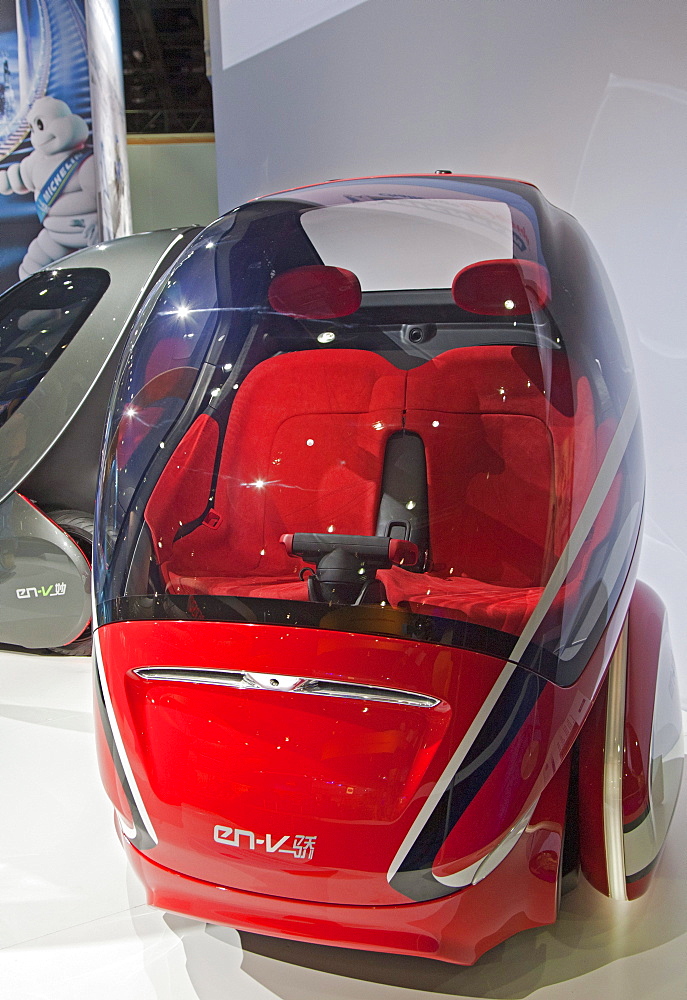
[(79, 526)]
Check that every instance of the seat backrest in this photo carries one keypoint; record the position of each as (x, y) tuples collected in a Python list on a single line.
[(303, 451), (492, 441)]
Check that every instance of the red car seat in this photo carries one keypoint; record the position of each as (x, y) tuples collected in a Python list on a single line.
[(500, 458), (305, 450)]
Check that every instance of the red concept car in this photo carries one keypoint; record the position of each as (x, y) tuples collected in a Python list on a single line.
[(372, 665)]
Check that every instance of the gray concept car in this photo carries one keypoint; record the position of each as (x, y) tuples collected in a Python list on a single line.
[(62, 331)]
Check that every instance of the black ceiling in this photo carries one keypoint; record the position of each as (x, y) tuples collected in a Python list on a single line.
[(165, 83)]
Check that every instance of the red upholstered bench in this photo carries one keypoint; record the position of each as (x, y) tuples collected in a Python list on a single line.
[(304, 451), (500, 456)]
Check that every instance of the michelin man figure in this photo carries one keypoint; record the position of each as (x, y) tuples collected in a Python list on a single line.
[(61, 173)]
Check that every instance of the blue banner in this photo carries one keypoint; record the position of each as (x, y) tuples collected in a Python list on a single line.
[(53, 187)]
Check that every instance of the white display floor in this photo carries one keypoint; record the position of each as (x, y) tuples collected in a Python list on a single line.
[(74, 924)]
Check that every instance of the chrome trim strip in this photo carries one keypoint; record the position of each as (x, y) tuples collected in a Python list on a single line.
[(488, 862), (614, 847), (446, 778), (247, 680), (366, 692), (643, 844), (643, 839), (192, 675), (119, 744), (589, 513)]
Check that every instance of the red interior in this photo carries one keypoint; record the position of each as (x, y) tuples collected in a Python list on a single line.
[(502, 287), (317, 291), (304, 451)]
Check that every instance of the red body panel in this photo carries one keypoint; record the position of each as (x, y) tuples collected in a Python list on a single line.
[(346, 772), (304, 187), (646, 638), (108, 772), (651, 769), (592, 846), (351, 776), (519, 894), (644, 645)]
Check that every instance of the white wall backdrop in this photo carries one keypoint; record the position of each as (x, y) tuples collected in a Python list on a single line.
[(586, 99), (172, 183)]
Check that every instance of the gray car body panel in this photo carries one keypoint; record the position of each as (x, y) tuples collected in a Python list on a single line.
[(35, 427), (45, 579)]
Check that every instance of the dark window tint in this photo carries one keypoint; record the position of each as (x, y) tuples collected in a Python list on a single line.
[(38, 319), (407, 413)]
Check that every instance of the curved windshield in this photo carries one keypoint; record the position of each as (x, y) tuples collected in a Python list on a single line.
[(397, 406), (38, 319)]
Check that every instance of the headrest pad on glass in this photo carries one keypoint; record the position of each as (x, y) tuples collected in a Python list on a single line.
[(508, 287), (316, 291)]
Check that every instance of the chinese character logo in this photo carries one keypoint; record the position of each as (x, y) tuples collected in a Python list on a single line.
[(302, 847)]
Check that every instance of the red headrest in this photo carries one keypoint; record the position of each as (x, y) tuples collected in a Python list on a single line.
[(502, 287), (315, 292)]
